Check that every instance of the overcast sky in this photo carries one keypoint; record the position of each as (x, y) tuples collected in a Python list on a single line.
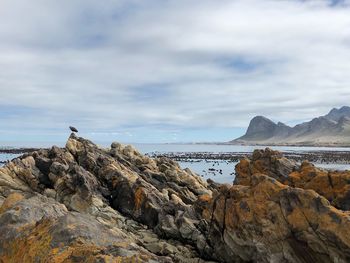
[(168, 70)]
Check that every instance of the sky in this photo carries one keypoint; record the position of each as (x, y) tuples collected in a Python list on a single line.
[(167, 70)]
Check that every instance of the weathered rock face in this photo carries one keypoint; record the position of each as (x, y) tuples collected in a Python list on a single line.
[(333, 185), (268, 162), (87, 204), (84, 203), (267, 221)]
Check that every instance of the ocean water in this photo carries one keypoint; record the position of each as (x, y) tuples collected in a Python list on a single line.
[(216, 148), (7, 156), (211, 168), (219, 170)]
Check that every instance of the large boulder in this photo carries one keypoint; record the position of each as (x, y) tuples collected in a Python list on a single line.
[(269, 162), (333, 185), (267, 221)]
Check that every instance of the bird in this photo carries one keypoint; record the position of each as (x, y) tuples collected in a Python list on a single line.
[(73, 129)]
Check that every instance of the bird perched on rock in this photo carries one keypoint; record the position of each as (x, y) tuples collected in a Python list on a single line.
[(73, 129)]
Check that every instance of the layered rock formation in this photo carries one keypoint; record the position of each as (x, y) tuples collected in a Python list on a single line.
[(330, 129), (83, 203), (333, 185), (86, 204)]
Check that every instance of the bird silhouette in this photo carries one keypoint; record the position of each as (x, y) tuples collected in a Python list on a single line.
[(73, 129)]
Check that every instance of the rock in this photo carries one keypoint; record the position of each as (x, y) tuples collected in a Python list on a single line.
[(85, 203), (268, 162), (10, 201), (268, 221), (88, 203), (333, 185), (53, 234)]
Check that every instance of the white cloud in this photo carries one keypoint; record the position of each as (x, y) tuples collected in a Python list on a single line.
[(173, 63)]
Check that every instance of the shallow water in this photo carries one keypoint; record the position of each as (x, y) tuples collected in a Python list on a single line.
[(205, 170), (7, 156), (215, 148), (201, 167)]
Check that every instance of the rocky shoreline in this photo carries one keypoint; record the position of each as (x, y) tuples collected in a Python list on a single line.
[(338, 157), (17, 150), (83, 203)]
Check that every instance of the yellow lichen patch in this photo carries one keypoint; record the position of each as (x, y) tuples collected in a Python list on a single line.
[(334, 186), (321, 185), (75, 251), (259, 167), (33, 247), (340, 183), (139, 197), (205, 198), (298, 220), (266, 188), (243, 170), (133, 259), (10, 201), (294, 177)]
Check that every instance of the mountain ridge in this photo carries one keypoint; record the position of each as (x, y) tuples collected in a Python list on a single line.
[(332, 129)]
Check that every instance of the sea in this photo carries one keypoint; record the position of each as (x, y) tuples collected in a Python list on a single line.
[(221, 171)]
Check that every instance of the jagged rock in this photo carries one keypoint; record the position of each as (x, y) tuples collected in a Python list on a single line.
[(86, 194), (268, 162), (333, 185), (85, 203), (267, 221), (31, 232)]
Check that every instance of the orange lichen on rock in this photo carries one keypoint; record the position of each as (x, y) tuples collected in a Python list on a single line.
[(204, 198), (243, 170), (333, 185), (10, 201), (83, 203), (267, 214), (139, 198), (33, 244)]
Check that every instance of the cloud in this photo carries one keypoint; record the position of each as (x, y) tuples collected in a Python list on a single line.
[(137, 66)]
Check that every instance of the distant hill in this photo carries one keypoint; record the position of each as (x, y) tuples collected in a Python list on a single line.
[(332, 129)]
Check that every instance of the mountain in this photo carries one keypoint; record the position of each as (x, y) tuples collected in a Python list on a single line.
[(329, 130)]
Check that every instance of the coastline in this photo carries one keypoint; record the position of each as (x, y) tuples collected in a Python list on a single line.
[(339, 157), (18, 150), (302, 144), (82, 194)]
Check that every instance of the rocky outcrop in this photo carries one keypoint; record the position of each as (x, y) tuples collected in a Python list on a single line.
[(266, 221), (330, 129), (278, 211), (333, 185), (269, 162), (83, 203)]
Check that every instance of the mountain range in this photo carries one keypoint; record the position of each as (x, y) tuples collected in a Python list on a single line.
[(332, 129)]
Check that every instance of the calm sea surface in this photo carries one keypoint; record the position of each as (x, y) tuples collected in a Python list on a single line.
[(220, 171), (5, 157)]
